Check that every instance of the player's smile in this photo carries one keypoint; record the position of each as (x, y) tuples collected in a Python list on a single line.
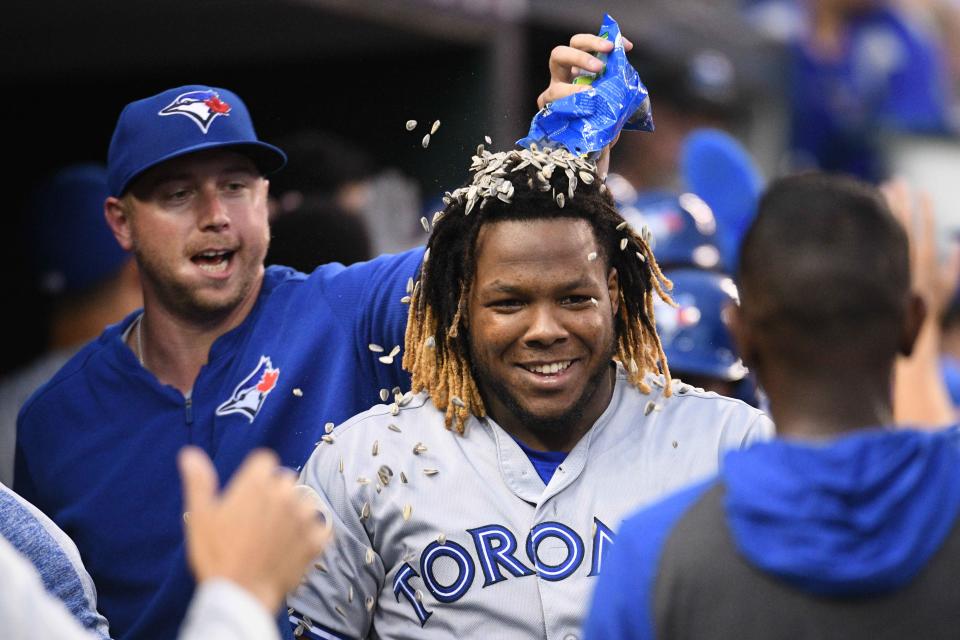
[(541, 325)]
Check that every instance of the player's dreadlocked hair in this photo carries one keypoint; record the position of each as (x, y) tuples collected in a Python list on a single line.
[(523, 185)]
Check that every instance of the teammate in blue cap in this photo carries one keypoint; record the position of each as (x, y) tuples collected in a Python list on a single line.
[(225, 355)]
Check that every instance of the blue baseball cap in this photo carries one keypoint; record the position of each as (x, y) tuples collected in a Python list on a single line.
[(70, 243), (180, 121)]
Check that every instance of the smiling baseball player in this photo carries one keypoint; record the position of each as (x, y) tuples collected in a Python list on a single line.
[(485, 505)]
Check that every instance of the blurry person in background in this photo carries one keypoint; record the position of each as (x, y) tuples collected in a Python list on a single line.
[(90, 281), (860, 69), (325, 169), (316, 233)]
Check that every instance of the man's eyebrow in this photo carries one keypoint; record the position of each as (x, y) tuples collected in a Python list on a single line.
[(499, 286)]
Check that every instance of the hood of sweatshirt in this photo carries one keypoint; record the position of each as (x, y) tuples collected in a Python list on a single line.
[(858, 515)]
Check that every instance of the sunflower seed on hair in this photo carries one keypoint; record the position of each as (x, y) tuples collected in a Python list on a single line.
[(419, 448), (368, 603), (425, 223), (405, 300), (442, 538), (487, 140), (431, 342), (633, 366), (327, 438), (375, 450), (436, 217), (622, 225), (650, 406), (436, 125), (640, 255), (457, 402), (431, 472), (369, 556), (395, 351), (623, 243), (592, 256), (411, 125), (407, 512), (403, 478), (365, 511), (603, 188), (426, 141), (479, 149), (384, 395), (586, 177), (319, 566), (561, 200), (386, 359)]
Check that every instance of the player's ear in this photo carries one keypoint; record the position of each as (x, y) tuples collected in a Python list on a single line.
[(117, 215), (613, 289), (913, 323)]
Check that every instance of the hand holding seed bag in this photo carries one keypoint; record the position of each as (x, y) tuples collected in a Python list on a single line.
[(585, 113)]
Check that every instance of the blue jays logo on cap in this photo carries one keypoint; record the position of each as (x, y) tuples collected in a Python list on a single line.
[(202, 107)]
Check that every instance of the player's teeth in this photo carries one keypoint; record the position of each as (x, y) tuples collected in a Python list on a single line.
[(549, 369)]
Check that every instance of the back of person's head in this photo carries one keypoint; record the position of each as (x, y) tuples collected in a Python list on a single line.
[(824, 274), (316, 233)]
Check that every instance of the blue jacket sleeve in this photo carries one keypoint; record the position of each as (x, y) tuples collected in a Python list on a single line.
[(622, 607)]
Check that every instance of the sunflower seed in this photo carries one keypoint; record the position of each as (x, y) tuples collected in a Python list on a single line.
[(394, 409), (487, 140), (436, 125), (376, 448), (469, 207), (384, 473), (431, 342), (368, 603), (365, 511), (411, 125), (319, 566), (586, 177), (405, 300), (418, 595), (426, 141), (299, 630), (419, 448), (561, 200), (379, 487), (675, 444), (340, 611), (384, 395), (479, 149), (386, 359), (603, 188), (431, 472), (375, 348), (289, 611), (327, 438), (648, 409), (341, 465), (395, 351), (436, 217), (457, 402), (369, 556), (394, 427), (622, 225), (407, 511), (623, 243), (633, 366), (328, 428), (350, 594), (425, 224), (403, 478), (442, 538), (640, 255), (592, 256), (363, 480), (405, 399), (594, 302), (395, 391)]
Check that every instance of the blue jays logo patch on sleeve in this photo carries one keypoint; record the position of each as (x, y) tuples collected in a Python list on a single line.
[(251, 393), (202, 107)]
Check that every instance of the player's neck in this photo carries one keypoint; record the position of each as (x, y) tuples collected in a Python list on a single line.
[(174, 347), (830, 404)]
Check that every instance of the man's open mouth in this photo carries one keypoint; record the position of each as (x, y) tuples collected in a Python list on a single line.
[(214, 261)]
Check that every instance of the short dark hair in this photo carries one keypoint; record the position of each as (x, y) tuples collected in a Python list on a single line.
[(824, 271), (523, 185)]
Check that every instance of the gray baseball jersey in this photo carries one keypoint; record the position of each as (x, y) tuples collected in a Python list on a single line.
[(439, 535)]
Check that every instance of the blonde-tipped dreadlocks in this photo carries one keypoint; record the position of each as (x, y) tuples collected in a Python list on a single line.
[(524, 184)]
